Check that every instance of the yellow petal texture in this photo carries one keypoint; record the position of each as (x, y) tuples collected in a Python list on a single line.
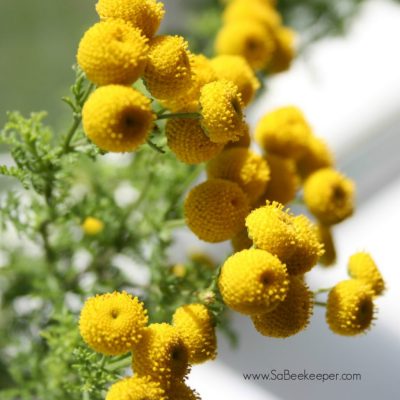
[(241, 165), (244, 140), (350, 308), (215, 210), (180, 391), (112, 323), (143, 14), (196, 327), (92, 226), (329, 195), (188, 141), (291, 316), (253, 281), (361, 266), (161, 355), (117, 118), (284, 51), (136, 388), (221, 108), (241, 241), (325, 237)]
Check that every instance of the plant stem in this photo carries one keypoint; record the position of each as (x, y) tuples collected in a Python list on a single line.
[(320, 303), (193, 115), (323, 290), (175, 223)]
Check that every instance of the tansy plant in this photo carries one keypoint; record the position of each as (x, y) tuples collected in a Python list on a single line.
[(79, 322)]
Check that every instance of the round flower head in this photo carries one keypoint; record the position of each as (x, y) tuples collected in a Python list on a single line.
[(241, 165), (271, 228), (241, 241), (196, 327), (253, 281), (112, 323), (325, 237), (284, 132), (117, 118), (221, 108), (136, 388), (361, 266), (92, 226), (329, 195), (284, 52), (167, 72), (161, 355), (248, 39), (350, 308), (236, 69), (143, 14), (244, 140), (284, 181), (316, 156), (291, 316), (215, 210), (188, 141), (113, 52), (180, 391)]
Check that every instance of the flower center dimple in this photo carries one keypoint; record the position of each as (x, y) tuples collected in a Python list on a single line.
[(365, 311), (114, 314), (266, 278), (236, 106), (338, 194), (252, 45)]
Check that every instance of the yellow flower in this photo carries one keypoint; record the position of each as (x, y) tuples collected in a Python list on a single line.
[(113, 52), (291, 316), (196, 327), (361, 266), (244, 140), (92, 226), (350, 308), (221, 107), (253, 281), (188, 141), (143, 14), (136, 388), (241, 241), (236, 69), (329, 195), (117, 118), (316, 156), (325, 237), (180, 391), (248, 39), (284, 52), (168, 71), (284, 132), (112, 323), (161, 354), (179, 270), (215, 210), (241, 165)]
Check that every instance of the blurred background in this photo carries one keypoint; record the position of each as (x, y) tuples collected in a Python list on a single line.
[(349, 88)]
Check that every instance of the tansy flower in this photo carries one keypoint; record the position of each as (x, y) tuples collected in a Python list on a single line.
[(112, 323), (329, 195), (143, 14), (241, 165), (284, 51), (361, 266), (180, 391), (244, 140), (215, 210), (241, 241), (249, 39), (113, 52), (291, 316), (92, 226), (161, 354), (284, 132), (221, 108), (167, 72), (325, 237), (117, 118), (188, 141), (236, 69), (136, 388), (253, 281), (350, 308), (196, 327)]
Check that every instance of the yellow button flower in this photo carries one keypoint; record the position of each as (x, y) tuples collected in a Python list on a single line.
[(180, 391), (215, 210), (188, 141), (236, 69), (253, 281), (112, 323), (284, 132), (325, 236), (291, 316), (136, 388), (117, 118), (196, 327), (168, 71), (241, 241), (329, 195), (113, 52), (284, 52), (350, 308), (92, 226), (361, 266), (221, 108), (143, 14), (249, 170)]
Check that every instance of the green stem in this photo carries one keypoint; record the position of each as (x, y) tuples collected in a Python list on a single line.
[(323, 290), (320, 303), (155, 147), (124, 363), (175, 223), (193, 115), (71, 132)]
